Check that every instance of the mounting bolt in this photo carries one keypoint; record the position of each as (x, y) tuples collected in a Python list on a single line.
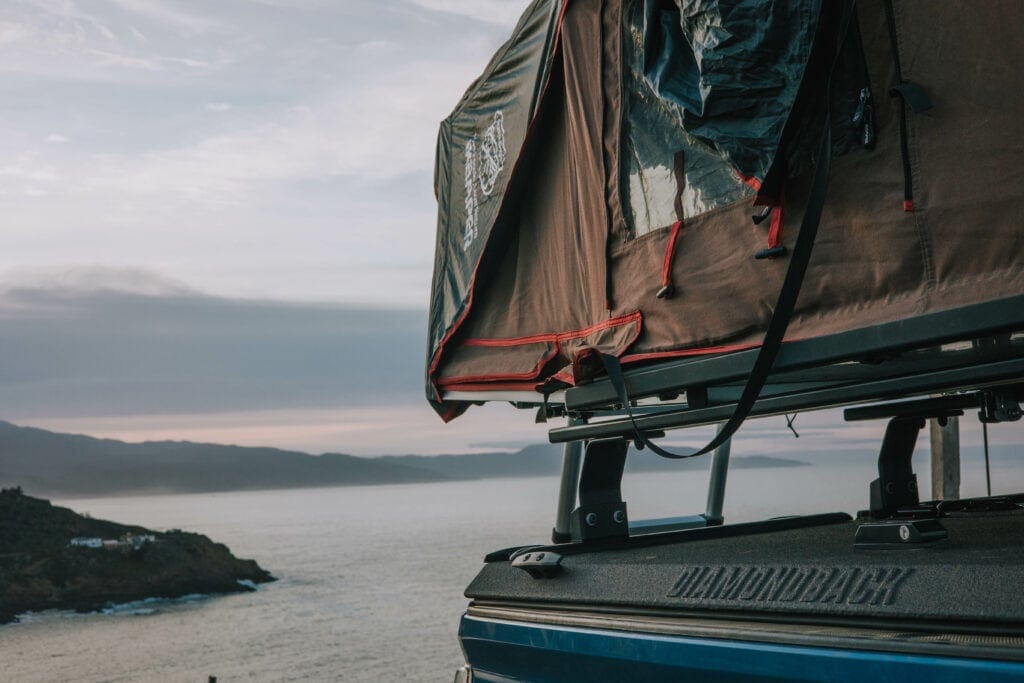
[(619, 517), (904, 532), (591, 519)]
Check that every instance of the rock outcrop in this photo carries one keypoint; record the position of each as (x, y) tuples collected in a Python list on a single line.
[(40, 570)]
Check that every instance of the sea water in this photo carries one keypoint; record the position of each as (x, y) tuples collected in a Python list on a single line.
[(370, 579)]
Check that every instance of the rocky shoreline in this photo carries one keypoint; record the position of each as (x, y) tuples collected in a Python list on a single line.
[(40, 569)]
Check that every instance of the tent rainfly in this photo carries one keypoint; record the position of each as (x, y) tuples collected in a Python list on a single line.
[(634, 176)]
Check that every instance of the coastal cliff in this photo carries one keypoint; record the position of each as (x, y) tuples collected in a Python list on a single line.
[(40, 568)]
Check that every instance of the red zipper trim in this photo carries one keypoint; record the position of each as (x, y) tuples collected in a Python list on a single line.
[(670, 255)]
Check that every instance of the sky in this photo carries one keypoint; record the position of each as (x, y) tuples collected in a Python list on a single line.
[(277, 149), (218, 223), (218, 218)]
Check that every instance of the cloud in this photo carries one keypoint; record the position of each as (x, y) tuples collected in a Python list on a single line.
[(105, 58), (56, 139), (24, 175), (315, 184), (128, 342), (131, 354), (167, 14), (97, 41), (503, 12), (78, 280), (379, 129), (13, 32), (26, 167)]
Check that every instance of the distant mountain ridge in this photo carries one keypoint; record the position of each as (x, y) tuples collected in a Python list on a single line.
[(64, 465), (70, 465)]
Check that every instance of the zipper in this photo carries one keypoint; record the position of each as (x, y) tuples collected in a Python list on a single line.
[(864, 118)]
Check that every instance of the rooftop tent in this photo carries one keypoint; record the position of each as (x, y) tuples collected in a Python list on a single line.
[(609, 179)]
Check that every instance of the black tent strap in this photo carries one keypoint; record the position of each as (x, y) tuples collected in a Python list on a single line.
[(781, 316), (783, 311), (911, 95)]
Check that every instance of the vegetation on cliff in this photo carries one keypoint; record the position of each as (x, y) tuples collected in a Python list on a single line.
[(40, 569)]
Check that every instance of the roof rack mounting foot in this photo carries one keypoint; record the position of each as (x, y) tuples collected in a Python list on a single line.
[(896, 486), (895, 491), (601, 514), (896, 514)]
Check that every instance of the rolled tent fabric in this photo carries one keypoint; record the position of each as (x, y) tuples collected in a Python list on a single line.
[(637, 137)]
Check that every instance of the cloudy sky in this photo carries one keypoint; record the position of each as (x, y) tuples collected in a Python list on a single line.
[(218, 222), (278, 149), (218, 217)]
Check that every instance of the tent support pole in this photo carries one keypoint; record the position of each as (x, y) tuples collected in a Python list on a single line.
[(572, 460), (716, 485)]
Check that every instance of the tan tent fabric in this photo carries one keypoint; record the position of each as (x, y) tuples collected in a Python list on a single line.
[(568, 252)]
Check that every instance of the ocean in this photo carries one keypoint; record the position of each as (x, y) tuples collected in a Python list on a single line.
[(370, 578)]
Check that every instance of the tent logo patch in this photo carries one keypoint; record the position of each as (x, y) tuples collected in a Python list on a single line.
[(484, 161), (492, 154), (471, 200)]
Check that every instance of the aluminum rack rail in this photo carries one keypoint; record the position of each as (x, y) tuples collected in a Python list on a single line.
[(965, 348)]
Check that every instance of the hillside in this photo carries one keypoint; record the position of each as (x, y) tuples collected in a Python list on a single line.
[(52, 464), (68, 465), (546, 459), (40, 570)]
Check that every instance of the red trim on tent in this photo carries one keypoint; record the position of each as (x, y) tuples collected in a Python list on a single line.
[(556, 338), (502, 377), (775, 227), (682, 353), (751, 181), (439, 352), (775, 230), (494, 386), (625, 360), (636, 317), (563, 376), (670, 255)]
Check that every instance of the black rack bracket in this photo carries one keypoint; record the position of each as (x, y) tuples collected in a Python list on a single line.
[(601, 514), (896, 486), (896, 515)]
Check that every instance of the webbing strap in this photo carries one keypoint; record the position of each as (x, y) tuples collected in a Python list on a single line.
[(783, 311), (781, 315), (911, 95)]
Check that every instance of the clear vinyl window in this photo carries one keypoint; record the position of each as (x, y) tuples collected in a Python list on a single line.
[(667, 174)]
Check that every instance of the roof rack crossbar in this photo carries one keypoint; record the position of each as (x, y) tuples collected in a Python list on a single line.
[(967, 322), (971, 377)]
